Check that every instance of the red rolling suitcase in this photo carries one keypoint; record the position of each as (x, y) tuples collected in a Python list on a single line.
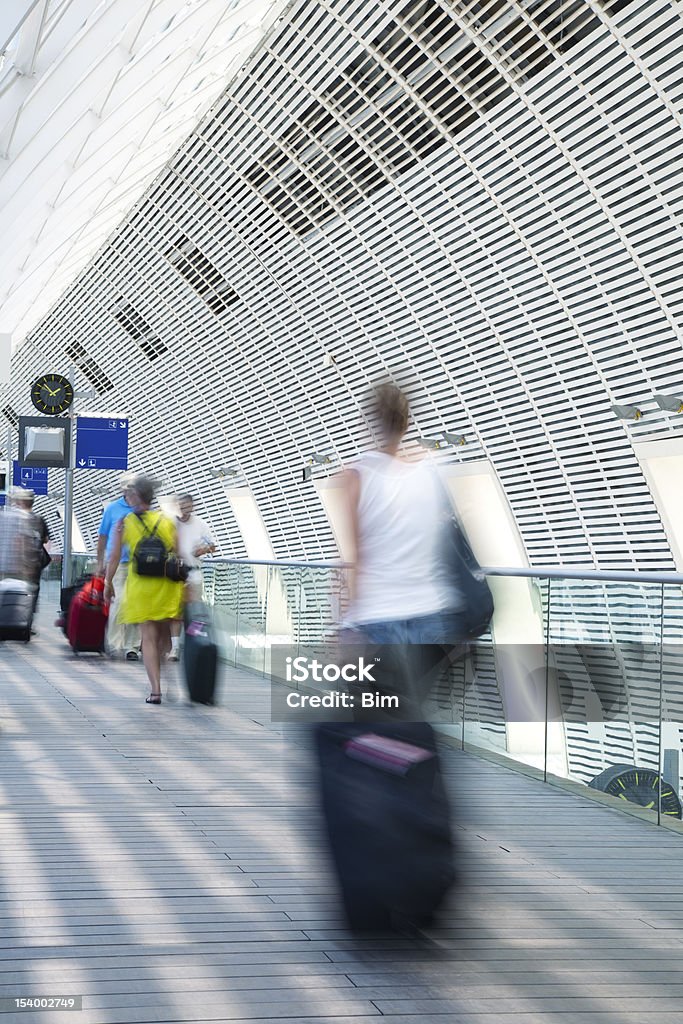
[(87, 621), (66, 596)]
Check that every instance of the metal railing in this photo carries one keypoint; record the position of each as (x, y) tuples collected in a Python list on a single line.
[(603, 575), (581, 673), (80, 565)]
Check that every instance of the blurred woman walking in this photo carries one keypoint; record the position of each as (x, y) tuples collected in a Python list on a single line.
[(386, 809)]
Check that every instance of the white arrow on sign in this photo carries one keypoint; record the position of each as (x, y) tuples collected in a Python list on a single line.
[(122, 424), (81, 462)]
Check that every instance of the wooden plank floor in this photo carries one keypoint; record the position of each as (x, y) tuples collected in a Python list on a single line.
[(166, 865)]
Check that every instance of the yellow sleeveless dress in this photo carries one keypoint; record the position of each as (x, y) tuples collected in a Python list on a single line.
[(149, 598)]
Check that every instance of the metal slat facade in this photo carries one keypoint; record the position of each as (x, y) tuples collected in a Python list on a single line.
[(484, 198)]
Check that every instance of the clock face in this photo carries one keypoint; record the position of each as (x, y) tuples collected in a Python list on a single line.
[(639, 786), (52, 394)]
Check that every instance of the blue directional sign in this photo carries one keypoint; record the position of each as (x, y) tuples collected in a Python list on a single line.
[(34, 478), (101, 443)]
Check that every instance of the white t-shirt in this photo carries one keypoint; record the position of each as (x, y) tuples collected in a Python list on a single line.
[(191, 535), (401, 573)]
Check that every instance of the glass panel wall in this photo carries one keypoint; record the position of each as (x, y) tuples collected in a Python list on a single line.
[(580, 680)]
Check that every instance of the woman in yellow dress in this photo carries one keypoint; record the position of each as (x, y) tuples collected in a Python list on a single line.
[(152, 601)]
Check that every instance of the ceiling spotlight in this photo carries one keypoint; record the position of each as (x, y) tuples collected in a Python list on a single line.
[(627, 412), (669, 403), (223, 472), (458, 439), (328, 360), (321, 460), (307, 473), (430, 442)]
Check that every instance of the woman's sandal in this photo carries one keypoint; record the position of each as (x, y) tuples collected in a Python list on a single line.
[(154, 698)]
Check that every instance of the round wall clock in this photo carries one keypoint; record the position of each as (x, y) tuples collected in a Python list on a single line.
[(52, 394)]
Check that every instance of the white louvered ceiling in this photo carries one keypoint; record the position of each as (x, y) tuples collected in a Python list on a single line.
[(94, 97), (484, 196)]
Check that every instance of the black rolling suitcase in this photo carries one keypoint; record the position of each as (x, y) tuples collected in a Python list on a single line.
[(16, 610), (200, 655), (388, 821)]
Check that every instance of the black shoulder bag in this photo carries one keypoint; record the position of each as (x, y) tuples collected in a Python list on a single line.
[(176, 570)]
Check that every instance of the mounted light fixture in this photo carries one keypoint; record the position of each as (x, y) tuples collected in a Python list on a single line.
[(627, 412), (457, 439), (430, 442), (669, 403), (314, 459), (223, 472)]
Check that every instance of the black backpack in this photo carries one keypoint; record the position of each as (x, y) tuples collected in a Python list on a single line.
[(151, 553)]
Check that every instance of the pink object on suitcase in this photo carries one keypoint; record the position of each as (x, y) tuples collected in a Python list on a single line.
[(87, 622)]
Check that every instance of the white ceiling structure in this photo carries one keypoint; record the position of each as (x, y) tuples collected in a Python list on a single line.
[(94, 98)]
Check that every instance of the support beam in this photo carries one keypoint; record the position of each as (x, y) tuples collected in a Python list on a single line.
[(29, 39), (13, 14)]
